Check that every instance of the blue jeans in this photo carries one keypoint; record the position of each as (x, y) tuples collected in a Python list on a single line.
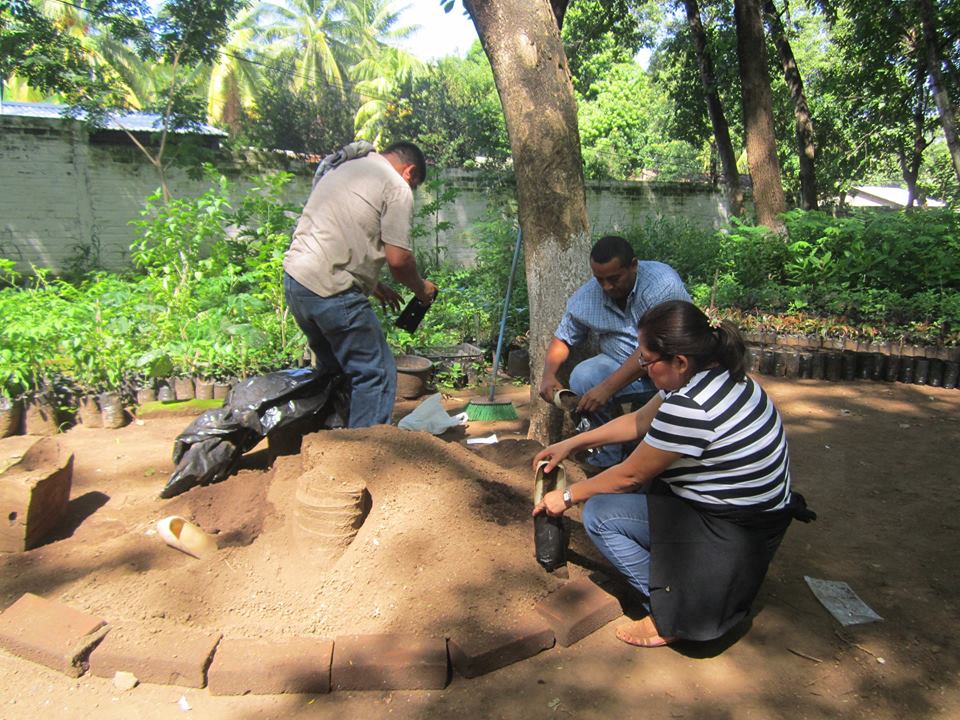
[(619, 525), (345, 335), (589, 374)]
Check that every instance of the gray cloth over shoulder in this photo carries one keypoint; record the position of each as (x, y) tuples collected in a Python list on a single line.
[(354, 150)]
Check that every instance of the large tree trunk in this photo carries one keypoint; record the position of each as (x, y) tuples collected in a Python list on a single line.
[(522, 42), (721, 131), (928, 17), (801, 111), (768, 198), (912, 158)]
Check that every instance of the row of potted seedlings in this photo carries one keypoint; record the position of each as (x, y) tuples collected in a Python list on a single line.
[(846, 359), (795, 356), (46, 413), (51, 410)]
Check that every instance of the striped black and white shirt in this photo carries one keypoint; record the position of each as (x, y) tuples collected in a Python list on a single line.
[(732, 441)]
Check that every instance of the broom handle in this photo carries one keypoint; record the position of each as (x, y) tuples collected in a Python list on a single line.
[(503, 318)]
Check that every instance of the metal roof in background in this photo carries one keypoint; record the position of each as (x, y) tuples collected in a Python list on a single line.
[(131, 121)]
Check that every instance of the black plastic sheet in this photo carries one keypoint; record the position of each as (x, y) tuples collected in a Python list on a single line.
[(298, 400)]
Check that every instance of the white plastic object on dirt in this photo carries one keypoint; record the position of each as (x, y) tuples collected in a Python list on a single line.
[(186, 537), (430, 416)]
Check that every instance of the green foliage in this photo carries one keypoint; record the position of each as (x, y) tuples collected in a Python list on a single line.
[(208, 300), (471, 299), (598, 35), (621, 129), (307, 120), (208, 296), (494, 242), (180, 244), (35, 47), (754, 255), (891, 274), (452, 111), (896, 272), (30, 335), (458, 315), (435, 195), (905, 252)]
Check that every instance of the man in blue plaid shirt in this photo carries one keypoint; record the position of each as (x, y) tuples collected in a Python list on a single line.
[(609, 306)]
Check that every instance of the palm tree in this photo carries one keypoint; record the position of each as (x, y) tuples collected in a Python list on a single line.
[(235, 77), (16, 89), (372, 25), (313, 31), (108, 55), (379, 78), (377, 67)]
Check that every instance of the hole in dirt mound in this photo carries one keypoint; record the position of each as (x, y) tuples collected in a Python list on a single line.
[(235, 510), (328, 512)]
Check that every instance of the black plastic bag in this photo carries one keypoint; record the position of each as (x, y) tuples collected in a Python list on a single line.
[(550, 539), (210, 449)]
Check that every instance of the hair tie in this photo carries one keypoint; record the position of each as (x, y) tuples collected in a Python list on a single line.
[(713, 319)]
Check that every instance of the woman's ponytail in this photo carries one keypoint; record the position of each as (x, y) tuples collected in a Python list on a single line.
[(731, 350)]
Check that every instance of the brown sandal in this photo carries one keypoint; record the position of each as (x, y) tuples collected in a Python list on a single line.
[(642, 633)]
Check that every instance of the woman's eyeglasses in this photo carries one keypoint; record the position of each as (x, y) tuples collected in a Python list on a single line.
[(644, 364)]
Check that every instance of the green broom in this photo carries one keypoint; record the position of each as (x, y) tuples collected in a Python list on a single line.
[(490, 409)]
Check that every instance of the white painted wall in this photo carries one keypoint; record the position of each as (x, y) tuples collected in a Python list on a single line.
[(58, 191)]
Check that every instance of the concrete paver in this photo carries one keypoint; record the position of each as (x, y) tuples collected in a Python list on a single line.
[(577, 609), (50, 633), (389, 662), (261, 667), (170, 658), (472, 656)]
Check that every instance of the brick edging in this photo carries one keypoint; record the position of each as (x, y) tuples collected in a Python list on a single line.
[(232, 666)]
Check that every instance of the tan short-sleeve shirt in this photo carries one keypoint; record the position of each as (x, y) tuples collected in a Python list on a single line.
[(352, 212)]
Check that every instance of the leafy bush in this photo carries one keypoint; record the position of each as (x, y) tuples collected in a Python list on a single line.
[(207, 300), (891, 274), (691, 250)]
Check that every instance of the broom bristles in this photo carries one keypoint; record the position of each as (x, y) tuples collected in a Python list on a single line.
[(486, 410)]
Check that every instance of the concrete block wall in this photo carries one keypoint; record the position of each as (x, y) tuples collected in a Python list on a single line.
[(60, 192), (41, 200), (613, 207)]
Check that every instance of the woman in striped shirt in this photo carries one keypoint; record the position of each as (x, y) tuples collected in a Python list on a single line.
[(694, 515)]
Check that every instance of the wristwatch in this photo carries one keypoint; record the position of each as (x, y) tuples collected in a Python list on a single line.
[(567, 497)]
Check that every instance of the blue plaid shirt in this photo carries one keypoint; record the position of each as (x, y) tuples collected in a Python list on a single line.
[(591, 310)]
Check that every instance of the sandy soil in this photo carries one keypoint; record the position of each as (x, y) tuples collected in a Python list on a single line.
[(447, 548)]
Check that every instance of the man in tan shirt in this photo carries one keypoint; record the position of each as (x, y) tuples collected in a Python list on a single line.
[(357, 218)]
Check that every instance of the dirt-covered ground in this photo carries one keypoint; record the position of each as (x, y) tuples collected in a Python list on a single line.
[(447, 548)]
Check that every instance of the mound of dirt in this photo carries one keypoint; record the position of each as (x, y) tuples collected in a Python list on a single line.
[(446, 548)]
